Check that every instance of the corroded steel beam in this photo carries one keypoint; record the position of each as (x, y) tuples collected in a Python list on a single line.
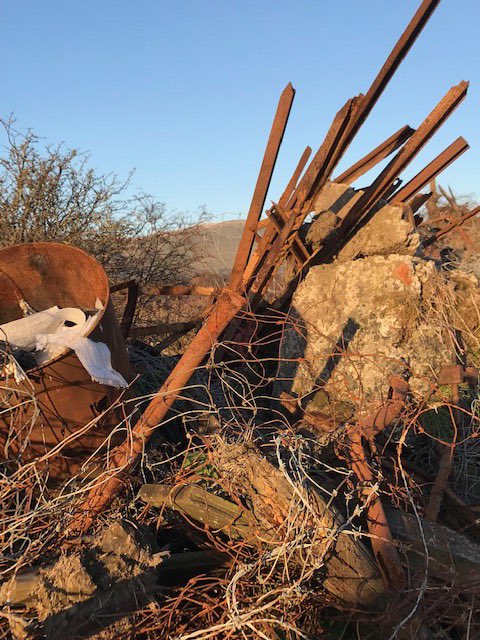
[(433, 169), (374, 157), (407, 153), (261, 188)]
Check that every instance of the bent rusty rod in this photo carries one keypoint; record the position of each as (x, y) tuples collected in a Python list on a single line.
[(123, 458)]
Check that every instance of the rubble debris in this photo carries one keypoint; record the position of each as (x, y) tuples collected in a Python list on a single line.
[(354, 346), (94, 592), (368, 322)]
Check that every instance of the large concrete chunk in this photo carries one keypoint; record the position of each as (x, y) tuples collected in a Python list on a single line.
[(354, 324), (390, 229)]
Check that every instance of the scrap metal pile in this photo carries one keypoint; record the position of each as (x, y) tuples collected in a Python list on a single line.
[(294, 502)]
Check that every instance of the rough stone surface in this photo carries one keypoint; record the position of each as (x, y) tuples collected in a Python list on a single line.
[(334, 197), (388, 232), (354, 324), (104, 580)]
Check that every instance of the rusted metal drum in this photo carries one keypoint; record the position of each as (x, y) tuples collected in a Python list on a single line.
[(59, 398)]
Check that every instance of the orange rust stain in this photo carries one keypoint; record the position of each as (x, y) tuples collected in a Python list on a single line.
[(403, 273)]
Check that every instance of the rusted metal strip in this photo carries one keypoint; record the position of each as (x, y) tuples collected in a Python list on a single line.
[(183, 290), (122, 285), (270, 232), (315, 174), (130, 308), (412, 147), (277, 252), (431, 171), (383, 545), (456, 223), (302, 163), (124, 457), (366, 103), (261, 188), (279, 220), (398, 53), (374, 157)]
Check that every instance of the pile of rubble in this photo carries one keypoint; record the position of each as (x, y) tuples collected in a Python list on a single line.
[(307, 460)]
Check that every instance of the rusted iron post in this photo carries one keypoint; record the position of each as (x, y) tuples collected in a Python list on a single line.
[(418, 201), (123, 458), (270, 231), (261, 188), (402, 159), (374, 157), (397, 55), (431, 171)]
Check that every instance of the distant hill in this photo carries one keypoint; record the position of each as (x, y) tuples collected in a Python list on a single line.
[(215, 250)]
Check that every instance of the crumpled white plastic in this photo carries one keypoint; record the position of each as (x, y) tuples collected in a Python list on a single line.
[(47, 333)]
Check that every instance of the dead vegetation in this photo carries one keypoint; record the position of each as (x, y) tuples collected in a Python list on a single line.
[(307, 466)]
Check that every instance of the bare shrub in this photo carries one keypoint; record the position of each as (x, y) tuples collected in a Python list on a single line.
[(50, 193)]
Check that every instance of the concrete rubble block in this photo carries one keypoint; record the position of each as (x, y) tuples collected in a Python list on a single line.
[(389, 231), (353, 324)]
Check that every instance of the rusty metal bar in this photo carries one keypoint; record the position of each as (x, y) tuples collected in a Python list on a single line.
[(184, 290), (130, 308), (279, 219), (315, 176), (261, 188), (456, 223), (398, 53), (418, 201), (383, 545), (122, 285), (302, 163), (412, 147), (431, 171), (278, 250), (270, 232), (374, 157), (125, 456)]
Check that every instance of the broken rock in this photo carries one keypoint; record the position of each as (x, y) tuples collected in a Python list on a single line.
[(356, 323)]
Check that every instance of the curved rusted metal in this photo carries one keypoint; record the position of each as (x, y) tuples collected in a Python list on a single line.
[(45, 274)]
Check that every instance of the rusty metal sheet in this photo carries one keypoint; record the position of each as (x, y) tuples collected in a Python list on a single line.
[(46, 274)]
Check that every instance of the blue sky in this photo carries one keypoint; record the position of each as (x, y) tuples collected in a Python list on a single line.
[(184, 91)]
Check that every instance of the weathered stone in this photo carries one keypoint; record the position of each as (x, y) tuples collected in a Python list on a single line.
[(356, 323), (334, 197), (388, 232)]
